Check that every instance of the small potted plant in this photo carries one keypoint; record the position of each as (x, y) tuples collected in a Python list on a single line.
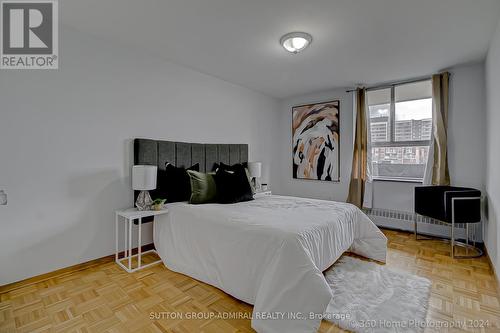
[(158, 204)]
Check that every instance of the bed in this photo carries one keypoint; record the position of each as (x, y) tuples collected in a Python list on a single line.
[(269, 252)]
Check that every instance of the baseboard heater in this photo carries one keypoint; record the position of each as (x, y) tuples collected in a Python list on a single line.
[(400, 220)]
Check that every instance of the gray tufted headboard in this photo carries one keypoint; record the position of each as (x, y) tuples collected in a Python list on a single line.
[(182, 154)]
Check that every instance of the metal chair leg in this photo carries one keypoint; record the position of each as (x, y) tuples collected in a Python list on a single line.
[(467, 238), (461, 244), (415, 224), (452, 236), (453, 243)]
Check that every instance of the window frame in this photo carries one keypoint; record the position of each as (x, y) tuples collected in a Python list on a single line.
[(392, 135)]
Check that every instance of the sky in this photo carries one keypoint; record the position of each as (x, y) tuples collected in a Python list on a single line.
[(417, 109)]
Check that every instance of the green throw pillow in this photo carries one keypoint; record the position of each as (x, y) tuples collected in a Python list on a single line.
[(203, 189)]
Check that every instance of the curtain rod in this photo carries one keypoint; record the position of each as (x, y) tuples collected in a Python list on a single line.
[(394, 83)]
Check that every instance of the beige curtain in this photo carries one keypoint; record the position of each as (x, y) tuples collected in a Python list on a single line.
[(440, 84), (358, 172)]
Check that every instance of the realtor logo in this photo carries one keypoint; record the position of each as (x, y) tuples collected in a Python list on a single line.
[(29, 34)]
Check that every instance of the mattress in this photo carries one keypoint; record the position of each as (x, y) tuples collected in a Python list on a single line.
[(269, 252)]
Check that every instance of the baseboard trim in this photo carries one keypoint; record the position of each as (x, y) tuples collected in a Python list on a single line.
[(493, 269), (67, 270)]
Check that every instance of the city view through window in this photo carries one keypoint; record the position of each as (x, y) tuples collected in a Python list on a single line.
[(400, 130)]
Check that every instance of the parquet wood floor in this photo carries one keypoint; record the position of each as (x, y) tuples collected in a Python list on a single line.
[(104, 298)]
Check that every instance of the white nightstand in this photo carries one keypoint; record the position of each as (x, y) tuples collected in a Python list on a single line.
[(128, 216), (261, 194)]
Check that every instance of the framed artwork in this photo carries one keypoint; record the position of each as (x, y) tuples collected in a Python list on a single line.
[(316, 141)]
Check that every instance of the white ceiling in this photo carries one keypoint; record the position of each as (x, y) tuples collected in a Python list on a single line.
[(355, 41)]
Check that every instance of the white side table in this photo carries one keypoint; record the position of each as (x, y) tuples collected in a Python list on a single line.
[(128, 216), (261, 194)]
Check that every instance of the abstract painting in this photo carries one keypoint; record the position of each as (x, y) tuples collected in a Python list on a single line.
[(316, 141)]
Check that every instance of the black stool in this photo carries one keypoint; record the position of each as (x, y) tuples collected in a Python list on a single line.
[(450, 205)]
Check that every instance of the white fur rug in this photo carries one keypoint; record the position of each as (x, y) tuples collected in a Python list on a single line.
[(368, 297)]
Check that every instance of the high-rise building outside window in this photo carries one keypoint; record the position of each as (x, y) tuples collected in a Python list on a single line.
[(400, 120)]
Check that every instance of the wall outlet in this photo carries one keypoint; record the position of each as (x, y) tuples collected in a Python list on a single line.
[(3, 198)]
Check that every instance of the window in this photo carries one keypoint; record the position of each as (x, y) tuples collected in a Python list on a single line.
[(400, 130)]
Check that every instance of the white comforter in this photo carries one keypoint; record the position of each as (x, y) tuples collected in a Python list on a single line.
[(269, 252)]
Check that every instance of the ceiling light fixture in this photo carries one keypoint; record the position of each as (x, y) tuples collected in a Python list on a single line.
[(295, 42)]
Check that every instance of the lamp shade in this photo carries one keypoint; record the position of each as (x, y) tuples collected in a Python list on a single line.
[(255, 168), (144, 177)]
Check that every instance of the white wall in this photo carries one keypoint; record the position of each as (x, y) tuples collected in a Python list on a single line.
[(492, 230), (65, 144), (284, 183), (466, 144)]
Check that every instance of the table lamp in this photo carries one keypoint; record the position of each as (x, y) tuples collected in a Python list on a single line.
[(144, 180), (255, 170)]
